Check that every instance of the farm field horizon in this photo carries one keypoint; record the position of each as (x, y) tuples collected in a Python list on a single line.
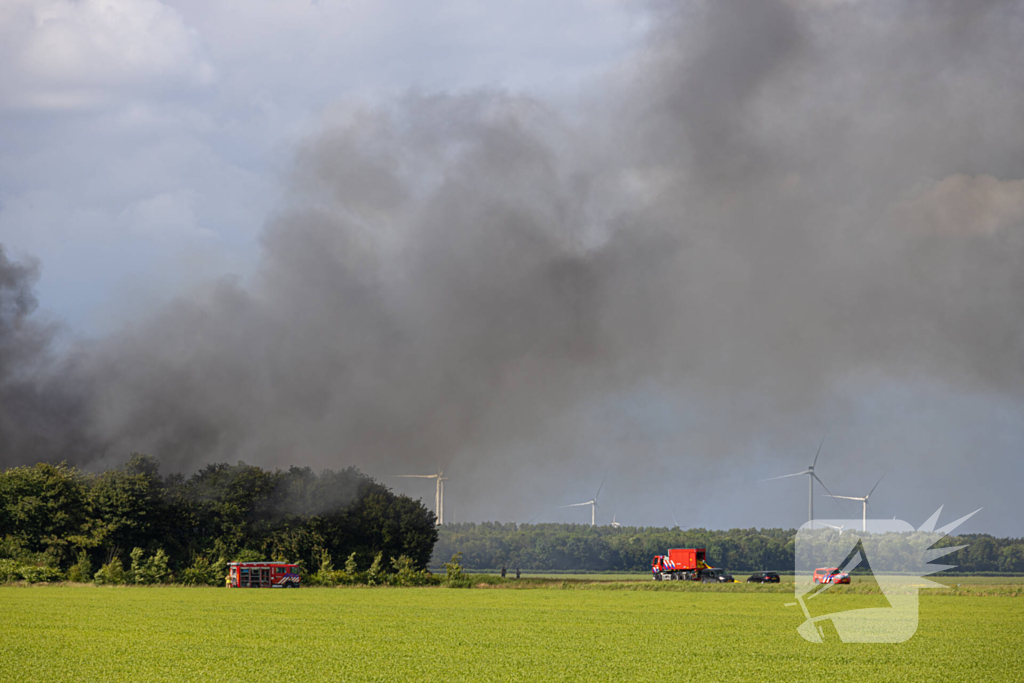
[(179, 634)]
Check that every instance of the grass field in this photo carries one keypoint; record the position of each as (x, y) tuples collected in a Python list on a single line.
[(85, 633)]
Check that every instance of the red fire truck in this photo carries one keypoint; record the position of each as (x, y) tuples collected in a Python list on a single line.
[(263, 575), (681, 564)]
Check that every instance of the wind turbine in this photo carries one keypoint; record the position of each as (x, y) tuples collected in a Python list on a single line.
[(864, 502), (438, 496), (615, 525), (811, 476), (592, 503)]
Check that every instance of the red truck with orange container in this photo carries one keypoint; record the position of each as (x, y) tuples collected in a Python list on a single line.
[(687, 564)]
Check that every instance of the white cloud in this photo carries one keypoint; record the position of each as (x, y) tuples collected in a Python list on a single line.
[(68, 55)]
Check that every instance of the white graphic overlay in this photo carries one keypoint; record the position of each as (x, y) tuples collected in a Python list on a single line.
[(890, 552)]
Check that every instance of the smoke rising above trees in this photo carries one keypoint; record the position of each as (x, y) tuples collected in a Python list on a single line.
[(769, 199)]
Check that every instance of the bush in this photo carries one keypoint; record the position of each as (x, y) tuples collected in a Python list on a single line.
[(13, 570), (325, 575), (110, 574), (406, 573), (147, 572), (34, 574), (9, 571), (203, 573), (375, 575), (454, 578), (81, 571), (351, 566)]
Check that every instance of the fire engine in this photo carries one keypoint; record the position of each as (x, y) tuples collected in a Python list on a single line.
[(263, 575), (681, 564)]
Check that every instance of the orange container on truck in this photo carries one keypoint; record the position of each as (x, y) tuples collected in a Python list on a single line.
[(681, 564)]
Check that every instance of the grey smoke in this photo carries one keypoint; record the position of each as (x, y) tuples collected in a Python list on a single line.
[(753, 211)]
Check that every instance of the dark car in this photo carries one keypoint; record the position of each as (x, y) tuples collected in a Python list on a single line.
[(764, 577), (715, 576)]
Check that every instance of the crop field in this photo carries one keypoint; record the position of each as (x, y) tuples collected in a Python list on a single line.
[(83, 633)]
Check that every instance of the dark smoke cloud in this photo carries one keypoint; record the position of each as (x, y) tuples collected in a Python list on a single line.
[(772, 198)]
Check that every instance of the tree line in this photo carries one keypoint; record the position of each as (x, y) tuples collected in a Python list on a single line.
[(577, 547), (133, 525)]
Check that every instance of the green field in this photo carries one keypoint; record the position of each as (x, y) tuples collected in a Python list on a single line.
[(84, 633)]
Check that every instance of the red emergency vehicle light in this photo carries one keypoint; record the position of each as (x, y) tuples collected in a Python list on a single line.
[(263, 575)]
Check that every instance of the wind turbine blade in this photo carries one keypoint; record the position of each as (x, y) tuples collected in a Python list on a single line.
[(829, 492), (601, 486), (874, 487), (415, 476), (843, 497), (796, 474), (576, 505), (536, 516), (818, 453)]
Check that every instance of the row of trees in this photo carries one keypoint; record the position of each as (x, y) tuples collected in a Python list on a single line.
[(135, 526), (575, 547)]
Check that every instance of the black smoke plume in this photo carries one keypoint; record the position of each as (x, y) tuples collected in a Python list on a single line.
[(771, 198)]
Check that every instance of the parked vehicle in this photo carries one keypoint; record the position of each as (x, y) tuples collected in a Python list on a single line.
[(681, 564), (716, 576), (764, 577), (263, 575), (687, 564), (830, 575)]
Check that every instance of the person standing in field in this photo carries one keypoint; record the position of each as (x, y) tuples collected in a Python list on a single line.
[(503, 571), (517, 572)]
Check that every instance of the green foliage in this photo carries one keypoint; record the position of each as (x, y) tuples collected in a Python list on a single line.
[(203, 572), (10, 570), (407, 574), (110, 574), (325, 575), (40, 574), (149, 571), (44, 508), (81, 571), (351, 566), (247, 555), (454, 576), (375, 574), (50, 513)]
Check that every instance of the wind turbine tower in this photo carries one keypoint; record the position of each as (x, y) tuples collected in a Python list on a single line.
[(592, 503), (811, 477)]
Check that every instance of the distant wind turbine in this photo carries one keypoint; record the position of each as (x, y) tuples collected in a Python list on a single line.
[(864, 502), (615, 525), (438, 496), (592, 503), (811, 476)]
